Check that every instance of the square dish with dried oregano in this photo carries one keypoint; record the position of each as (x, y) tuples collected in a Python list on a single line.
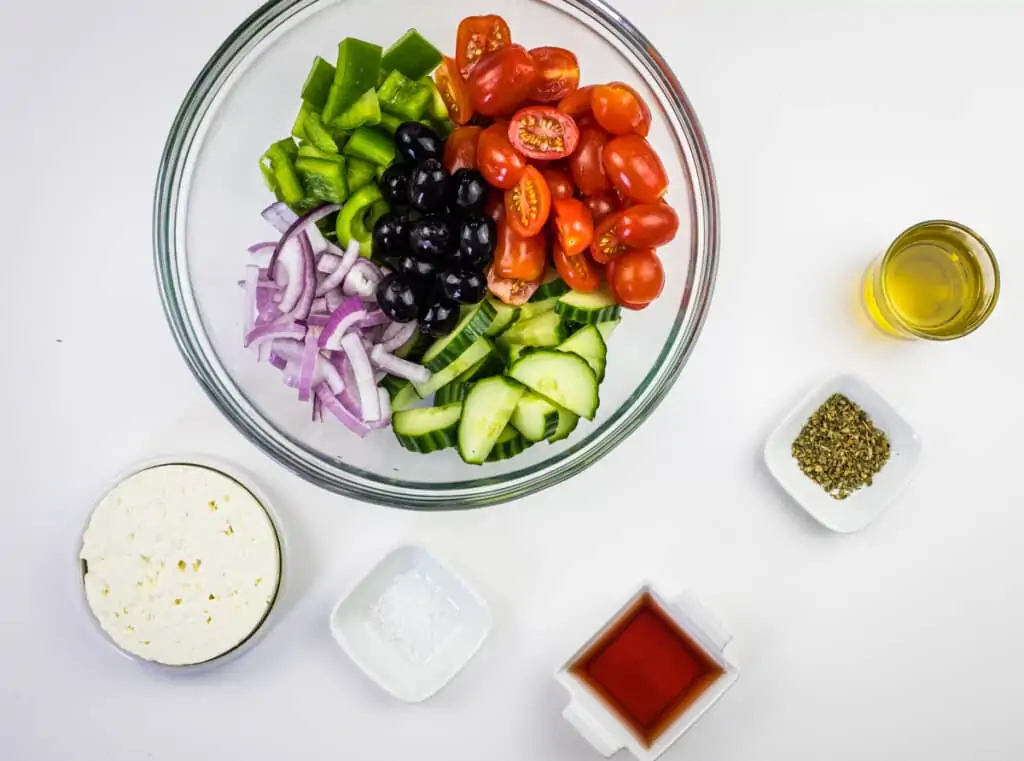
[(840, 448)]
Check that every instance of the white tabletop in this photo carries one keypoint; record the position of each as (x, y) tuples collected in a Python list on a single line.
[(833, 126)]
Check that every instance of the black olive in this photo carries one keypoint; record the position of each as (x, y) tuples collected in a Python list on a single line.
[(439, 318), (397, 298), (394, 184), (391, 236), (431, 237), (416, 142), (423, 276), (478, 237), (428, 186), (467, 192), (462, 285)]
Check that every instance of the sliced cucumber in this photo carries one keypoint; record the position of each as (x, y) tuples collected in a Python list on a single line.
[(405, 399), (486, 412), (535, 417), (467, 376), (471, 356), (505, 316), (393, 385), (588, 308), (551, 287), (475, 320), (414, 349), (567, 422), (587, 343), (531, 309), (509, 444), (492, 365), (428, 429), (563, 378), (546, 329), (515, 351), (608, 327), (453, 392)]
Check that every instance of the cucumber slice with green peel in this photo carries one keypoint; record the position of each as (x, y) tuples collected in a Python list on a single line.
[(453, 392), (414, 348), (505, 317), (473, 323), (509, 444), (588, 308), (467, 376), (494, 364), (560, 377), (535, 417), (588, 343), (485, 414), (546, 329), (551, 287), (470, 357), (428, 429), (516, 351), (393, 384), (531, 309), (567, 422), (405, 399), (607, 328)]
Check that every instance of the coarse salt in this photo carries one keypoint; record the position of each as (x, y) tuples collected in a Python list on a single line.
[(415, 616)]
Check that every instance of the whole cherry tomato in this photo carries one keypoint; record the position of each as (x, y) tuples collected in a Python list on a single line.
[(647, 225), (636, 278), (558, 74), (528, 204), (510, 290), (519, 258), (501, 81), (453, 90), (559, 182), (574, 225), (543, 133), (477, 36), (635, 169), (602, 203), (587, 163), (580, 271), (460, 148), (620, 109), (577, 102), (607, 245), (500, 164)]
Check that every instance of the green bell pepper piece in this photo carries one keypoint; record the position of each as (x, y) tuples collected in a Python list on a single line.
[(390, 123), (308, 126), (364, 112), (352, 217), (443, 127), (268, 174), (311, 151), (281, 155), (360, 173), (318, 84), (323, 178), (436, 109), (403, 97), (357, 72), (371, 144), (412, 55)]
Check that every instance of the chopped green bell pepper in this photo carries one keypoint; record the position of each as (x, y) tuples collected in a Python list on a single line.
[(436, 109), (403, 97), (360, 173), (390, 123), (357, 72), (323, 178), (352, 217), (318, 84), (311, 151), (308, 126), (371, 144), (412, 55), (364, 112), (280, 156)]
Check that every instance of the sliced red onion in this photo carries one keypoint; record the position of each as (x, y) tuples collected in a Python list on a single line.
[(362, 280), (342, 319), (288, 349), (373, 319), (263, 352), (305, 302), (366, 388), (385, 409), (316, 239), (397, 335), (334, 299), (400, 368), (330, 375), (379, 376), (318, 409), (289, 274), (266, 246), (319, 306), (296, 229), (336, 408), (252, 277), (280, 216), (319, 320), (328, 262), (337, 277), (275, 330), (277, 360), (310, 353)]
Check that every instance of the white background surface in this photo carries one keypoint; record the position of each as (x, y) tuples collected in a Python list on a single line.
[(832, 126)]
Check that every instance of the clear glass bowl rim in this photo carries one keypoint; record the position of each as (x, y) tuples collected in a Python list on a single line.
[(331, 473)]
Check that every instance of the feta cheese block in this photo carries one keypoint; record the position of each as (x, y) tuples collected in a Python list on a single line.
[(181, 564)]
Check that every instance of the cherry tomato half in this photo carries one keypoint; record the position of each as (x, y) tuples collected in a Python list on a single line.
[(574, 225), (580, 271), (559, 182), (495, 206), (587, 163), (510, 290), (477, 36), (648, 225), (636, 278), (519, 258), (558, 74), (453, 91), (543, 133), (607, 245), (500, 164), (502, 81), (620, 109), (577, 102), (602, 203), (460, 148), (635, 169), (528, 204)]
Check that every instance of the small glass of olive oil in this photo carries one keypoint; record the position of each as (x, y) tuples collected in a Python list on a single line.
[(938, 281)]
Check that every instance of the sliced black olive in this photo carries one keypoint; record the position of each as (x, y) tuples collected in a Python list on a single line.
[(431, 237), (478, 237), (394, 184), (391, 236), (397, 298), (428, 186), (463, 285), (416, 142), (467, 192), (439, 318)]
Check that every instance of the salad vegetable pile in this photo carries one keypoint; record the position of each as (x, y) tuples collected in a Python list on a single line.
[(468, 239)]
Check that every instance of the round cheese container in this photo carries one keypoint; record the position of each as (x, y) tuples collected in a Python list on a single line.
[(182, 562)]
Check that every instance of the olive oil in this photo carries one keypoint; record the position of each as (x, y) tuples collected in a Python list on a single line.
[(938, 280)]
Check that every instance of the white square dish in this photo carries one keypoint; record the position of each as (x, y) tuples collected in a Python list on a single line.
[(411, 624), (862, 507)]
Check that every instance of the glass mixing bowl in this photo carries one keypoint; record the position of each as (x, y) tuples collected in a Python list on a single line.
[(207, 210)]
